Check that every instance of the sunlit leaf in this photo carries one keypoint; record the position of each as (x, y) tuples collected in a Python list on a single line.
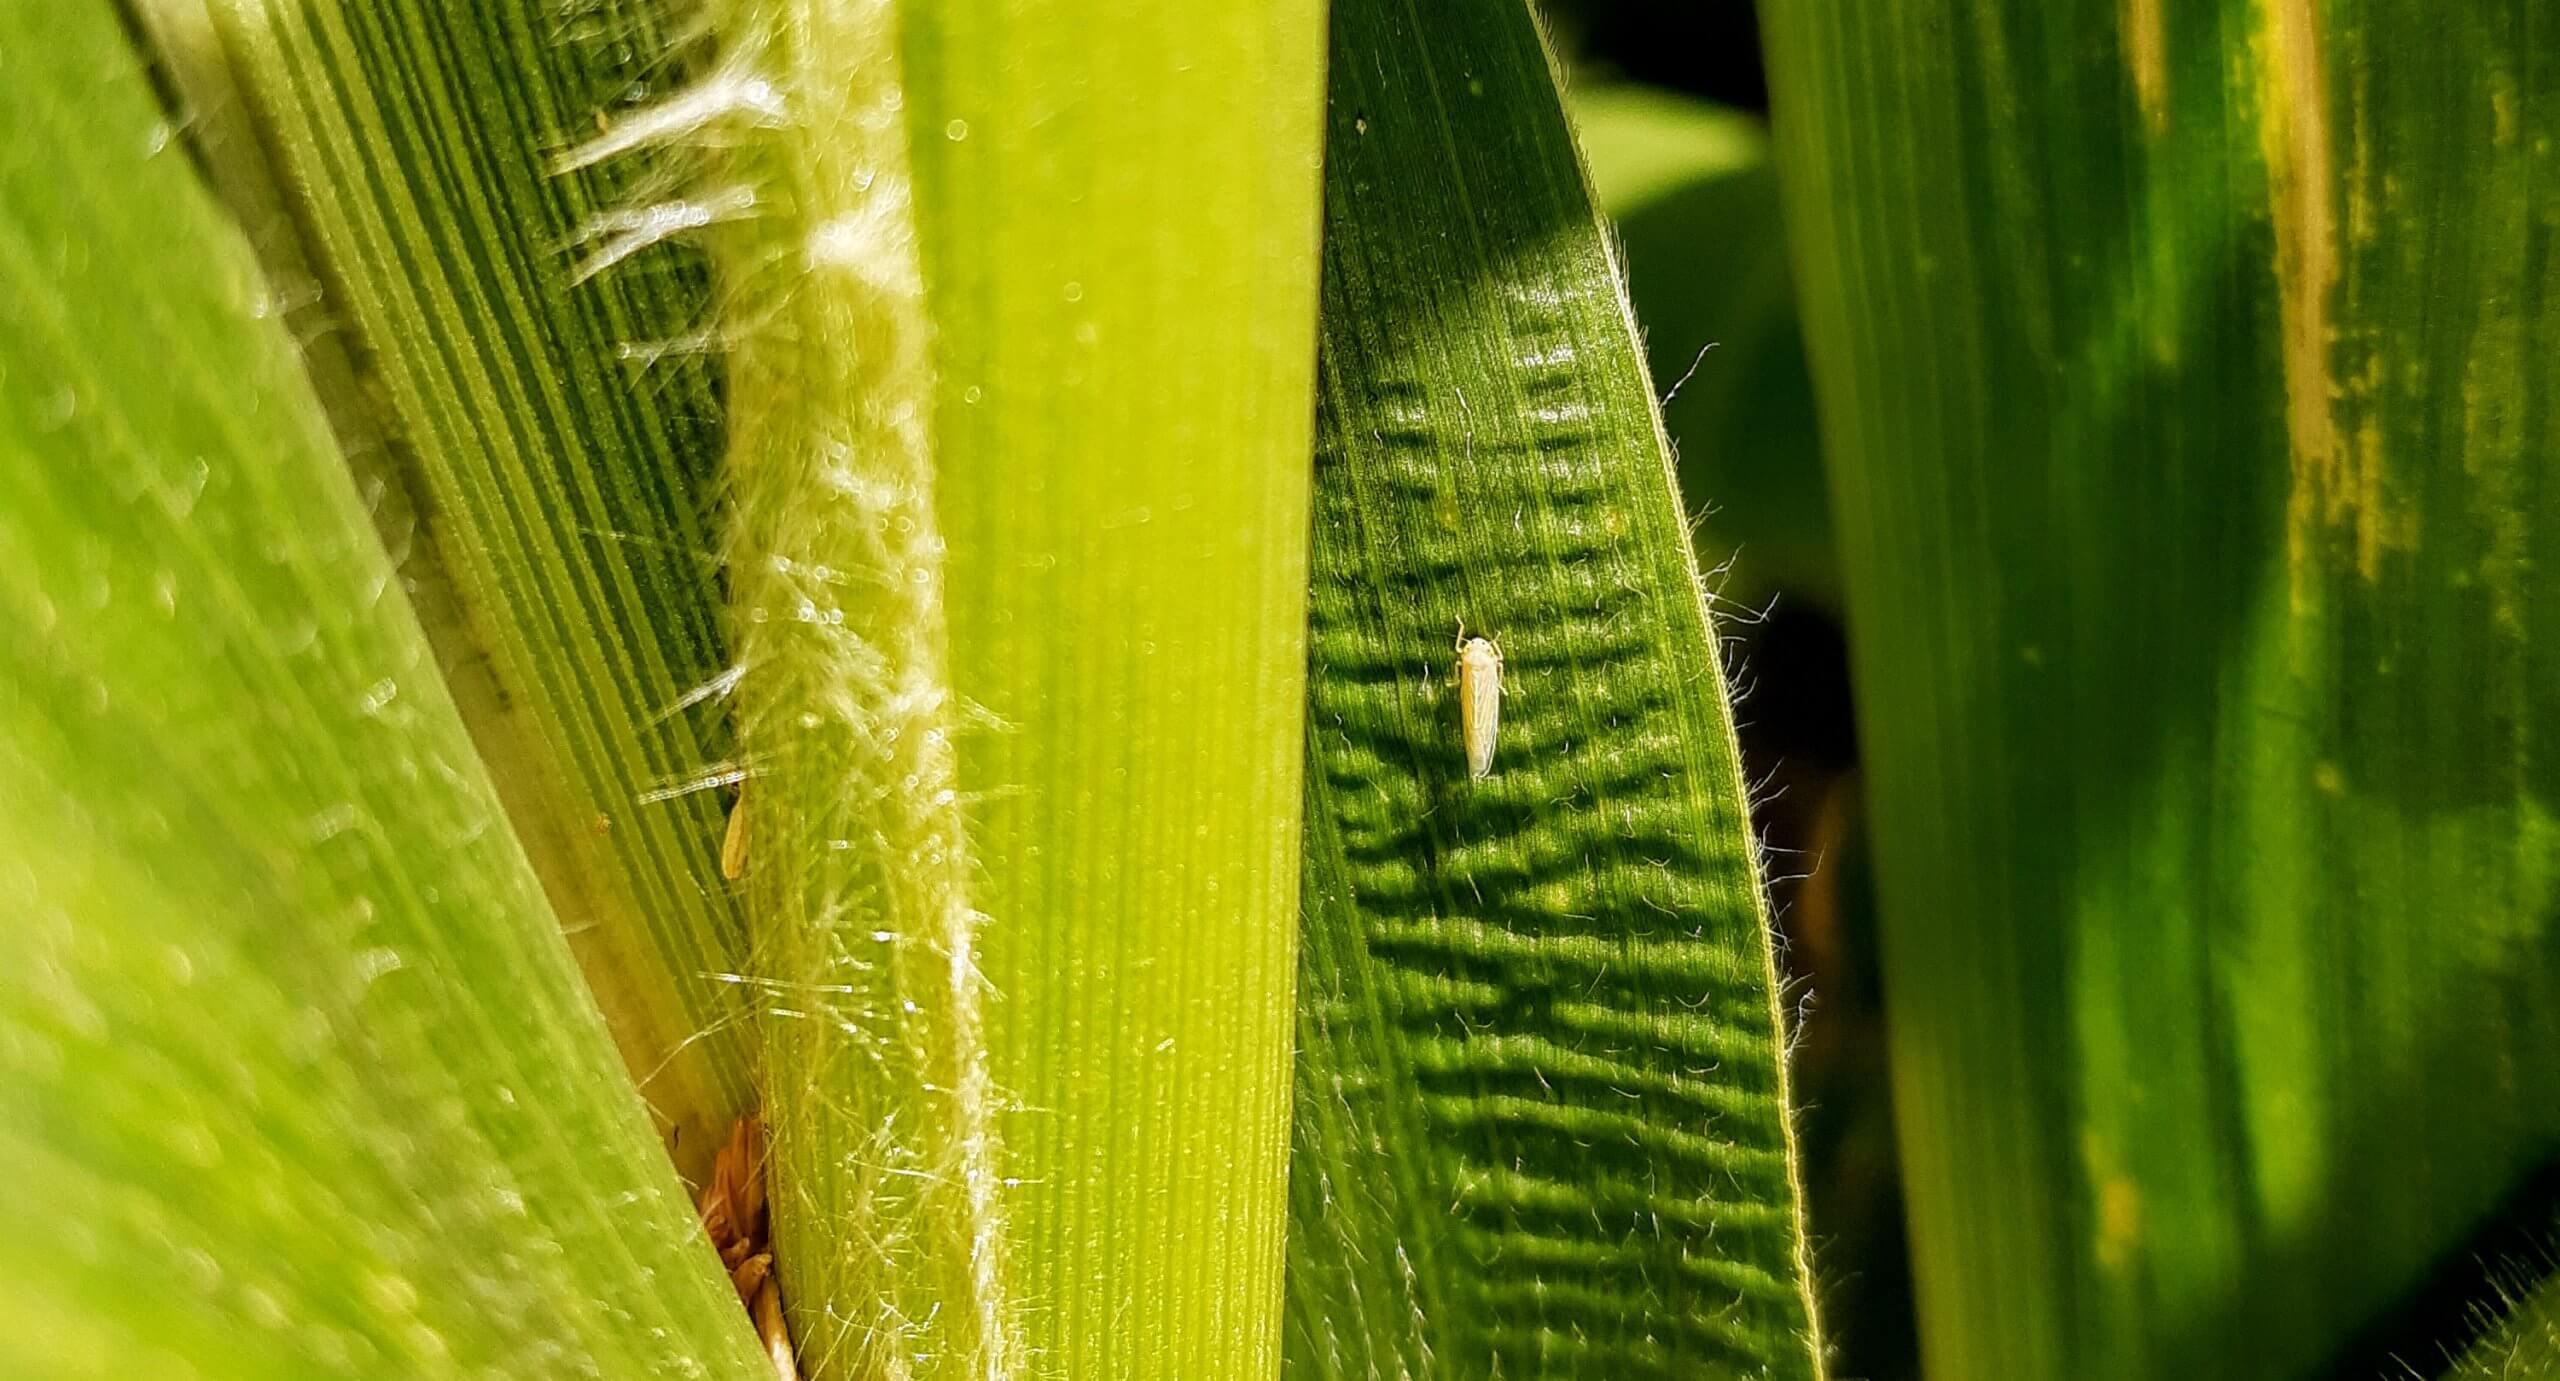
[(2184, 372), (297, 1076), (1542, 1127)]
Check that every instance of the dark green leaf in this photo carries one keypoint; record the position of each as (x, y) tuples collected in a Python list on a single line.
[(1542, 1122), (2186, 371)]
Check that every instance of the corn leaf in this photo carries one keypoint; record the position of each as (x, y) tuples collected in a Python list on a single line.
[(1725, 346), (297, 1076), (1542, 1123), (1120, 225), (541, 433), (1019, 390), (2184, 371), (2522, 1339)]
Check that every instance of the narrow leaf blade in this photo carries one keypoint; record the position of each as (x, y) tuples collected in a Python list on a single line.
[(2184, 373), (544, 442), (1542, 1125), (294, 1063), (1019, 463), (1120, 214)]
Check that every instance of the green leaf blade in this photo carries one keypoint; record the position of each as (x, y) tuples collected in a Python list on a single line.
[(545, 487), (1120, 226), (1542, 1120), (1724, 346), (291, 1049), (2524, 1341), (2177, 367), (1019, 474)]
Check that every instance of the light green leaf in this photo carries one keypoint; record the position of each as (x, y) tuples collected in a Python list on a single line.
[(297, 1077), (1542, 1127), (1019, 394), (1120, 214), (2184, 368), (394, 164)]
